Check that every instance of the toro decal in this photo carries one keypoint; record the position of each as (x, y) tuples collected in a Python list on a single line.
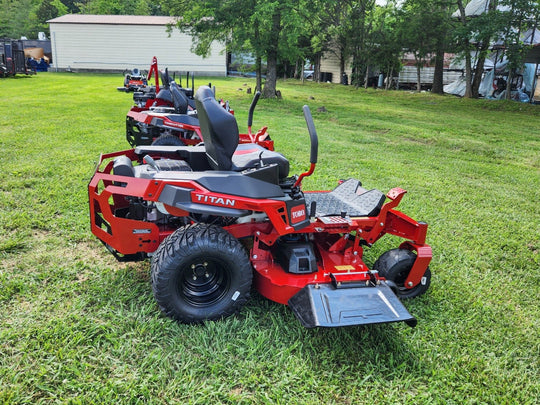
[(227, 202), (298, 214)]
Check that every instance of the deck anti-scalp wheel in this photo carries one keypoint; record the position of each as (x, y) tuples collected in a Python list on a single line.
[(395, 265), (200, 272)]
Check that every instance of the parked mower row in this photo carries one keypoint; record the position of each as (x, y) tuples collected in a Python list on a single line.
[(166, 115), (220, 217)]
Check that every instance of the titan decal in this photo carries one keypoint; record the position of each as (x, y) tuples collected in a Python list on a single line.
[(215, 200)]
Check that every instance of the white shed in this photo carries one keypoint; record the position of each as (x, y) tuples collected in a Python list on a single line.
[(330, 71), (82, 42)]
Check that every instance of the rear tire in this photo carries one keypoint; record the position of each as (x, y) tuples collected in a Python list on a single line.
[(168, 140), (200, 272), (395, 265)]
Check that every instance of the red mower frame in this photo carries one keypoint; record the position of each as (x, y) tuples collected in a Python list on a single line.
[(339, 238), (329, 286)]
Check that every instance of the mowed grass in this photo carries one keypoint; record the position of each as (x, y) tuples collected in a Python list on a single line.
[(78, 327)]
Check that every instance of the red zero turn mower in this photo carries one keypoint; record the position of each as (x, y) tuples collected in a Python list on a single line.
[(155, 96), (220, 217), (179, 125), (135, 80)]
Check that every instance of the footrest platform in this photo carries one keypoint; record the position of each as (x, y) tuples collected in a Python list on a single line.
[(347, 199), (325, 306)]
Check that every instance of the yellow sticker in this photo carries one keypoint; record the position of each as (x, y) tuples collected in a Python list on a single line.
[(346, 267)]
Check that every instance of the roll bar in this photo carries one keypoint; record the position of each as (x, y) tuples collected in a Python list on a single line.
[(314, 145)]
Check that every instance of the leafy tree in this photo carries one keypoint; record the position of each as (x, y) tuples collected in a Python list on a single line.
[(485, 28), (281, 28), (475, 34), (46, 10), (270, 30), (360, 29), (418, 30), (385, 49), (463, 44), (230, 22), (517, 17), (333, 22), (441, 30), (15, 18), (72, 6), (503, 21), (116, 7)]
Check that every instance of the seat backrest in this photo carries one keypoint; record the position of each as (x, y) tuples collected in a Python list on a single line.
[(180, 100), (165, 96), (218, 128)]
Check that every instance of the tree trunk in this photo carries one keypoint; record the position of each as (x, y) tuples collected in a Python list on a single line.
[(477, 77), (468, 75), (269, 90), (355, 74), (438, 74), (297, 69), (389, 78), (317, 68), (479, 70), (342, 56), (366, 78), (508, 95), (258, 73), (418, 78)]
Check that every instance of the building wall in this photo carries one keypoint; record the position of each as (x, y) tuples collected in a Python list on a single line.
[(407, 76), (101, 47), (330, 64)]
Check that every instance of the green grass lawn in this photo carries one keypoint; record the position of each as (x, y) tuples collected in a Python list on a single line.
[(78, 327)]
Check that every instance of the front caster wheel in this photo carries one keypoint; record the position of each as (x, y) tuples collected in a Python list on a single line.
[(200, 272), (395, 265)]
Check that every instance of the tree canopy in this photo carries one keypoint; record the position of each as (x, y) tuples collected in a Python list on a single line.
[(283, 34)]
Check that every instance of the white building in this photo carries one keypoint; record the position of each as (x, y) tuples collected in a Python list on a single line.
[(82, 42)]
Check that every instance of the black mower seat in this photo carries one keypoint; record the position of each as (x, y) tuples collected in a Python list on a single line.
[(221, 137), (250, 155), (349, 198)]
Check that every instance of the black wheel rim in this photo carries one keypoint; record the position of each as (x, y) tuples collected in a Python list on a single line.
[(204, 281), (400, 284), (400, 280)]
